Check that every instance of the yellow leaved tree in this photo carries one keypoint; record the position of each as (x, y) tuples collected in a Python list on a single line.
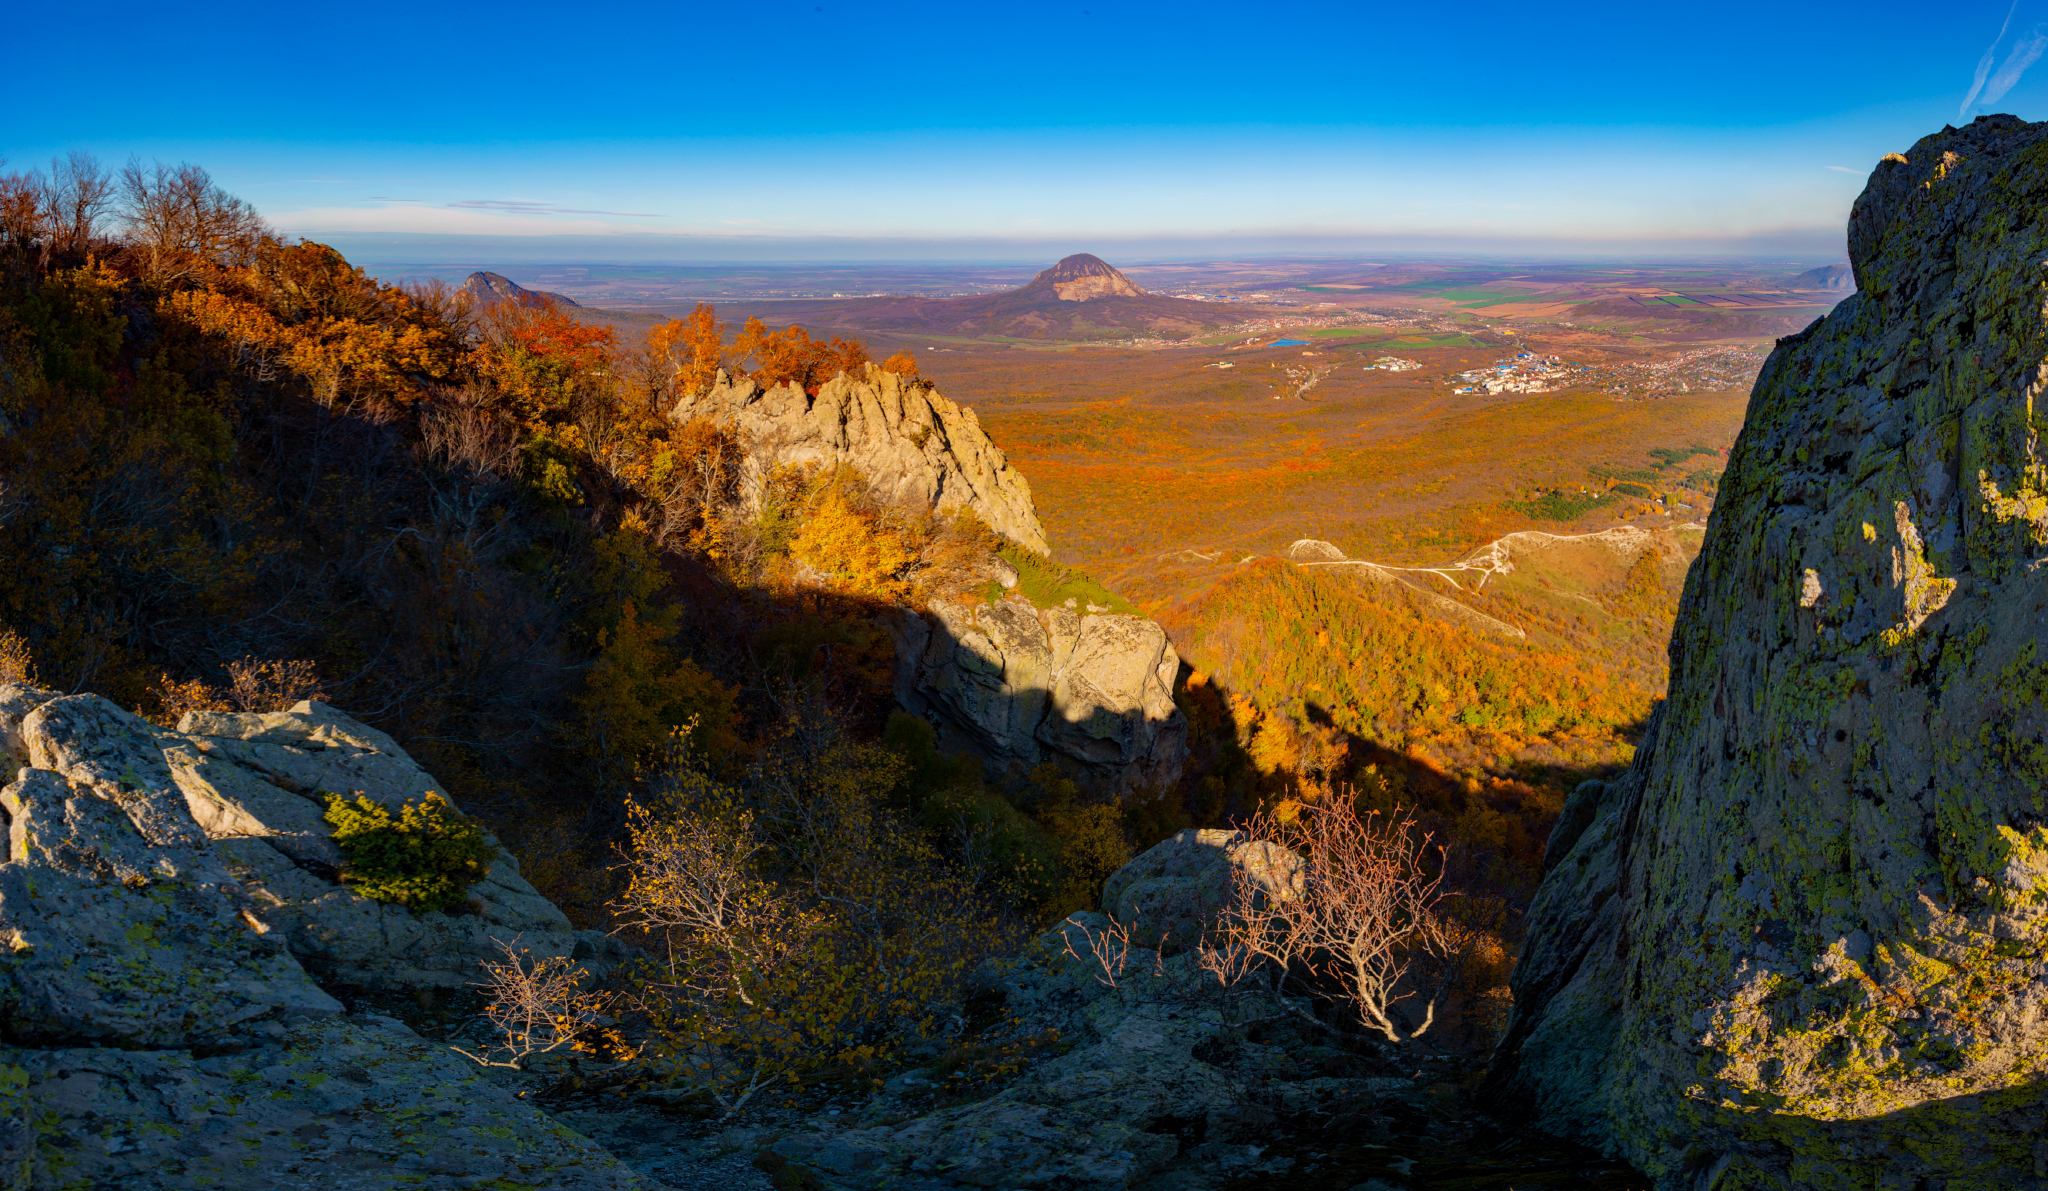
[(851, 545)]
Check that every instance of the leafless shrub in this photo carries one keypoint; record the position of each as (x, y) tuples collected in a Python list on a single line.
[(272, 686), (1109, 951), (463, 436), (536, 1006), (252, 686), (182, 224), (75, 197), (1369, 917)]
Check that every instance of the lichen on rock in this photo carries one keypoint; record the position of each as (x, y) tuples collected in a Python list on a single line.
[(1803, 942), (172, 930)]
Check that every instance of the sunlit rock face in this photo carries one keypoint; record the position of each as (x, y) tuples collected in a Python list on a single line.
[(172, 933), (916, 447), (1801, 942)]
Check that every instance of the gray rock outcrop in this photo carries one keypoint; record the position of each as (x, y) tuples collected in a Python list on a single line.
[(1173, 892), (1160, 1089), (345, 1102), (1019, 685), (169, 912), (915, 447), (1803, 942)]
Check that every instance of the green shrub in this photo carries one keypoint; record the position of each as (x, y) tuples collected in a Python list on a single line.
[(427, 858), (1046, 583), (1561, 506)]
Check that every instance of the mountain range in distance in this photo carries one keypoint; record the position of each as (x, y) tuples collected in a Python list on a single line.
[(1082, 297)]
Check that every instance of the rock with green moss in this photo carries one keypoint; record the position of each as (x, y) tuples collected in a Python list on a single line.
[(158, 895), (349, 1102), (1804, 941)]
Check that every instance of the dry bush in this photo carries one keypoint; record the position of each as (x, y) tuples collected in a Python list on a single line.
[(536, 1006), (1368, 917), (181, 224), (462, 434), (17, 664), (252, 686), (795, 923)]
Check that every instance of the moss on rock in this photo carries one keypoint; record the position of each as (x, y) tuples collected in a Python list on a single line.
[(1805, 941)]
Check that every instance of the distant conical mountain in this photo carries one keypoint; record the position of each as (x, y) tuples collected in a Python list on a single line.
[(1082, 297), (1083, 277)]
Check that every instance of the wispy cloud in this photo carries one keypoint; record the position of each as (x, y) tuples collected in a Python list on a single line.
[(1841, 169), (2025, 52), (521, 207), (379, 198), (2026, 48)]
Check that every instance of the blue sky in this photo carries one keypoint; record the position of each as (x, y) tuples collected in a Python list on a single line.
[(980, 131)]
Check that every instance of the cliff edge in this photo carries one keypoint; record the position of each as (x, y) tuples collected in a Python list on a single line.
[(1804, 941)]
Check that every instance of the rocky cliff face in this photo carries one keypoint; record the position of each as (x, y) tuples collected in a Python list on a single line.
[(174, 939), (1018, 685), (915, 446), (1804, 941)]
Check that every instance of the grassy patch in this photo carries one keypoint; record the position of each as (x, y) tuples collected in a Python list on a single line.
[(1047, 584)]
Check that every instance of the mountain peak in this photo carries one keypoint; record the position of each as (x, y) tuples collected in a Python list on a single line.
[(487, 288), (1084, 277)]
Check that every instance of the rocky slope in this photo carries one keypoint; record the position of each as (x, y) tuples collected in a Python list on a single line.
[(915, 446), (1010, 682), (1082, 277), (1803, 942), (177, 942), (1838, 278)]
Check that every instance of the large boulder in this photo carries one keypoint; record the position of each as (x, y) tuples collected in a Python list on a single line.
[(158, 895), (1803, 942), (257, 783), (1019, 685), (1174, 892), (917, 448)]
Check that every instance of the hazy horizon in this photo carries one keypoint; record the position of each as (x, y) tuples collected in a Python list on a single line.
[(926, 133)]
